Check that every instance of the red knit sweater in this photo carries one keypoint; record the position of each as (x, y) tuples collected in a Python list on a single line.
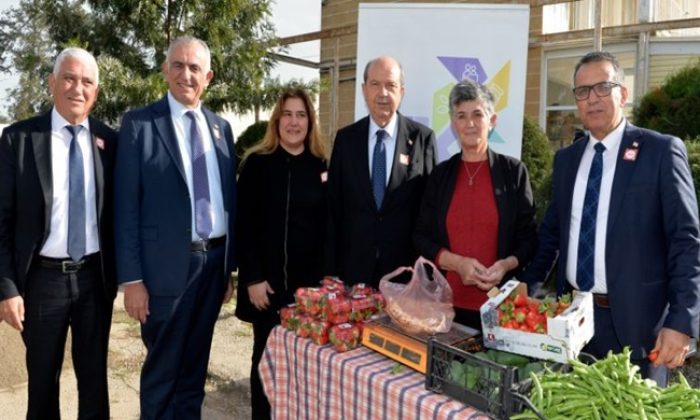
[(472, 229)]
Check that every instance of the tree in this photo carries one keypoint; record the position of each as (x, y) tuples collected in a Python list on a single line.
[(129, 39), (538, 156), (673, 107)]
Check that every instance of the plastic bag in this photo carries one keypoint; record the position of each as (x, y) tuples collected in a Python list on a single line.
[(422, 305)]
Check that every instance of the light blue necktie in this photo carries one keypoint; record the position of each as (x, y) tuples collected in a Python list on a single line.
[(200, 181), (586, 236), (379, 169), (76, 197)]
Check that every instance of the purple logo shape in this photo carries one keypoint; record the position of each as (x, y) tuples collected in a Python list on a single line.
[(465, 68)]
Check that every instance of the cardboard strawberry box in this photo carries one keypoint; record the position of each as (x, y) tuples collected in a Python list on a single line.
[(565, 336)]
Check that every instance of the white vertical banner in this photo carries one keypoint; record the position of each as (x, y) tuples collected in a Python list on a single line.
[(441, 44)]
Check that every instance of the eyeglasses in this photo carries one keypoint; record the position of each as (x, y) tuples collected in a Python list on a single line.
[(601, 89)]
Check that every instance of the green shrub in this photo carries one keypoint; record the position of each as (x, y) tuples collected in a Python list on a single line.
[(673, 107), (252, 135), (537, 155)]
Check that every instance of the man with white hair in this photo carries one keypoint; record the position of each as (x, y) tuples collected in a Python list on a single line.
[(174, 216), (56, 236)]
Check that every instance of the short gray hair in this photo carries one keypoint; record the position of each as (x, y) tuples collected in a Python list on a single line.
[(365, 75), (596, 56), (79, 54), (186, 39), (469, 90)]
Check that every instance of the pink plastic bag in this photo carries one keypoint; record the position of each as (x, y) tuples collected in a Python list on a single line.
[(422, 305)]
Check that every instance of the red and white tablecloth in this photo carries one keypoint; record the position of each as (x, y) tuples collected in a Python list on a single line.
[(306, 381)]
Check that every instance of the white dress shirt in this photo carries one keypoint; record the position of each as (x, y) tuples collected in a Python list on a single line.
[(612, 146), (182, 129), (389, 143), (56, 245)]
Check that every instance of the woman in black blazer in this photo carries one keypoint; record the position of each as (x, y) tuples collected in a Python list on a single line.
[(477, 218), (280, 222)]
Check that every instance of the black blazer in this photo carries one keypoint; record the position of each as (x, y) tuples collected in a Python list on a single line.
[(280, 226), (364, 242), (26, 195), (517, 234)]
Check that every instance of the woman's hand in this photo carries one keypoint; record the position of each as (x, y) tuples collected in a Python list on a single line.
[(492, 276), (258, 294), (470, 270)]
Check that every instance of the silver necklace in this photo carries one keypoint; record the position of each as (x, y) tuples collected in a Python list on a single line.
[(471, 176)]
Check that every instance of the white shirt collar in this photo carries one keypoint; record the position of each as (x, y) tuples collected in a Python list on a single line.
[(58, 122), (390, 127), (612, 140), (179, 110)]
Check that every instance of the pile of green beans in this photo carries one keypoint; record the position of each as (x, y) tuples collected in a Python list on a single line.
[(611, 388)]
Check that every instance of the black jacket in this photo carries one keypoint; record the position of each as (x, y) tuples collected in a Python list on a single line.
[(516, 211), (26, 194), (281, 225), (364, 242)]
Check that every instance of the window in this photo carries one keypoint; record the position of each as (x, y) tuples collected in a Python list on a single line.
[(561, 121), (677, 9), (563, 17)]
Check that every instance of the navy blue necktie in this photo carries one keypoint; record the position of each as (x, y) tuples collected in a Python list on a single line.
[(586, 236), (76, 197), (379, 169), (200, 181)]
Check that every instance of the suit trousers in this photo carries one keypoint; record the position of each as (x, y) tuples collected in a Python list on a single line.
[(55, 301), (178, 334), (605, 339), (262, 327)]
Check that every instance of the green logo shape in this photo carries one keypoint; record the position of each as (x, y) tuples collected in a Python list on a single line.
[(441, 108)]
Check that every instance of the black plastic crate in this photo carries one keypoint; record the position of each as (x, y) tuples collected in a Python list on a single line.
[(493, 389)]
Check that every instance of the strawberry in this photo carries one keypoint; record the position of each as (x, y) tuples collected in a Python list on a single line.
[(520, 300), (520, 314), (534, 318), (512, 324)]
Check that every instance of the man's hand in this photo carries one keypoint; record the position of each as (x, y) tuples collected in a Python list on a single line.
[(672, 347), (258, 294), (136, 301), (12, 312)]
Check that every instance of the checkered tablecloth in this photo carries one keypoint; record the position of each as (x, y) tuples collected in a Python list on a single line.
[(306, 381)]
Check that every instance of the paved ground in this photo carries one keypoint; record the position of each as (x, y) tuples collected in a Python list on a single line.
[(228, 392)]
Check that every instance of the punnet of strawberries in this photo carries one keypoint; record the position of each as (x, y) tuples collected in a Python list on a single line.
[(520, 312), (345, 337)]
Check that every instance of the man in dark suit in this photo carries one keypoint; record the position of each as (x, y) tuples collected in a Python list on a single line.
[(624, 220), (56, 252), (377, 174), (175, 200)]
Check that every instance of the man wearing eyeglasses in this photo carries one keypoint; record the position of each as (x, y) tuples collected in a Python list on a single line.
[(623, 219)]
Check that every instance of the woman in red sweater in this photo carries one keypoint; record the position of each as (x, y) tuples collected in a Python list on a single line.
[(477, 218)]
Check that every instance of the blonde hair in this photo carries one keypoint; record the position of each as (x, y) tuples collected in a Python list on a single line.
[(271, 140)]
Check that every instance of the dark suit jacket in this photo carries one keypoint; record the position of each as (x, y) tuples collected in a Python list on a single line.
[(363, 241), (652, 247), (153, 219), (26, 198), (517, 231)]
